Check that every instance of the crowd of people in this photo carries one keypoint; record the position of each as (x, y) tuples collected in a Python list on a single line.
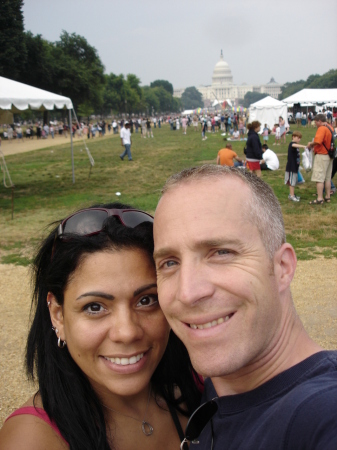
[(321, 150)]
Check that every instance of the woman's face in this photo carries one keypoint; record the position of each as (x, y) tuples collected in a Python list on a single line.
[(114, 328)]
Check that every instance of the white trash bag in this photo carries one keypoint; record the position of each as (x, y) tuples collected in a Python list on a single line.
[(307, 159)]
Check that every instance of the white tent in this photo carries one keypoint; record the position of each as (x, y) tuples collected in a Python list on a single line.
[(313, 96), (15, 97), (268, 110)]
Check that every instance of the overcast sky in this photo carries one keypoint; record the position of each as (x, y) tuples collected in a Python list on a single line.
[(180, 40)]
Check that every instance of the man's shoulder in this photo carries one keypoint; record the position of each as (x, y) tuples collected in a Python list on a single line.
[(295, 409)]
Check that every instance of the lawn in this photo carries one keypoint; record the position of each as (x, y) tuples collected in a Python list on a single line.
[(44, 191)]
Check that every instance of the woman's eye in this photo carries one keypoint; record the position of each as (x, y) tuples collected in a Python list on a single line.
[(93, 308), (148, 300)]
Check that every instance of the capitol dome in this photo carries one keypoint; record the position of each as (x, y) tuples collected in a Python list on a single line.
[(222, 73)]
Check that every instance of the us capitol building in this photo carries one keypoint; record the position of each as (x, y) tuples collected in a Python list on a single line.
[(223, 88)]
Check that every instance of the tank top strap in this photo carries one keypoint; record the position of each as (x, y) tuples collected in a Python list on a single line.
[(37, 412)]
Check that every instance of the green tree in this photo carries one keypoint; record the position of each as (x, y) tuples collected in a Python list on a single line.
[(122, 95), (133, 93), (12, 42), (113, 96), (134, 83), (79, 72), (163, 83), (326, 81), (252, 97), (290, 88), (40, 66), (191, 98), (311, 79), (165, 99), (151, 100), (176, 104)]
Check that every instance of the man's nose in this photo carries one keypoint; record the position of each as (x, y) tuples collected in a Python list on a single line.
[(194, 284)]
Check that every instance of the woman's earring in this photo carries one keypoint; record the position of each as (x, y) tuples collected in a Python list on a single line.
[(60, 343)]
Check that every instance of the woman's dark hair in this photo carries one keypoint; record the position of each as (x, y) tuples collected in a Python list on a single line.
[(66, 393)]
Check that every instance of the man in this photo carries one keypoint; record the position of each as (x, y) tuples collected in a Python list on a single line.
[(270, 160), (298, 118), (322, 166), (226, 157), (126, 141), (224, 271)]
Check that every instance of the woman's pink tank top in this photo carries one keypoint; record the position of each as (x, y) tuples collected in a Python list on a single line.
[(40, 413)]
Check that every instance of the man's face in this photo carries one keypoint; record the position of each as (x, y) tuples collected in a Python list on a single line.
[(215, 280), (318, 123)]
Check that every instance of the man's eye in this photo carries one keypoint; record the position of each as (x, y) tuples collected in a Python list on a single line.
[(170, 263), (222, 252), (148, 300)]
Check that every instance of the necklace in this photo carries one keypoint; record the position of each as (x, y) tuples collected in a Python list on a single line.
[(147, 429)]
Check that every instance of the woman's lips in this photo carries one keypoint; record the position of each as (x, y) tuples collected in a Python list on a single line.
[(125, 365)]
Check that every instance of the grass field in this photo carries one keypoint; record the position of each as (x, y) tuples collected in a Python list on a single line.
[(44, 191)]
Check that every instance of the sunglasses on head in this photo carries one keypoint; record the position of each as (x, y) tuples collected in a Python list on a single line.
[(88, 222), (197, 422)]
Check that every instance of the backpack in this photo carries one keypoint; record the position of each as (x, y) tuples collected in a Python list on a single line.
[(332, 150)]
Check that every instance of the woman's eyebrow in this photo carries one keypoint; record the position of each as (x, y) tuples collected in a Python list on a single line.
[(144, 288), (96, 294)]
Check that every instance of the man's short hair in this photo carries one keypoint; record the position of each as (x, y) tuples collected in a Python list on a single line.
[(229, 146), (297, 134), (262, 209), (320, 117)]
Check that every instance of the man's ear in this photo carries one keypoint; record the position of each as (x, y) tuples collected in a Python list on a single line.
[(56, 315), (284, 266)]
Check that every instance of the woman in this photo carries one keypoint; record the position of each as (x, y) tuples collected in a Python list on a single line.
[(253, 149), (110, 373), (283, 130)]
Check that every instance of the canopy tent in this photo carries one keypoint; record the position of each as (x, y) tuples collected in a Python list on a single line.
[(16, 97), (330, 105), (268, 110), (313, 96), (187, 112)]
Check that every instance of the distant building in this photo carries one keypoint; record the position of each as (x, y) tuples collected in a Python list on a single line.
[(223, 87)]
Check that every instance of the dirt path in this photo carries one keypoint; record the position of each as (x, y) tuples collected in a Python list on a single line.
[(314, 290), (28, 145)]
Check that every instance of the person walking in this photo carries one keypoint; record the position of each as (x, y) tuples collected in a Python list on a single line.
[(126, 141), (254, 148)]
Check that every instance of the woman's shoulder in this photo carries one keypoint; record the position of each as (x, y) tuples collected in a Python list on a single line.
[(29, 428)]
